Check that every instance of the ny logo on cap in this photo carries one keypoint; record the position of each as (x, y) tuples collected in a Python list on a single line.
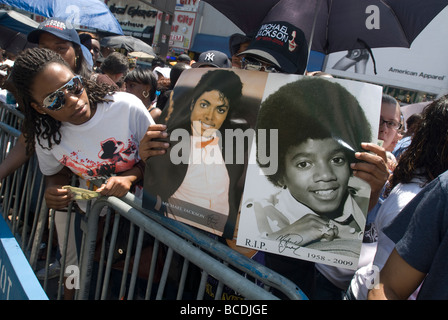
[(209, 56)]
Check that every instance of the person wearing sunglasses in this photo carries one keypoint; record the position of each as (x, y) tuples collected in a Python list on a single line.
[(62, 38), (78, 127), (277, 46), (252, 63)]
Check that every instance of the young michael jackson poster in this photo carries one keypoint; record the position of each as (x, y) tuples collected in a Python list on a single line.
[(300, 197)]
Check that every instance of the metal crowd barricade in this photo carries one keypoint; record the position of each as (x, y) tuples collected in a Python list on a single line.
[(21, 192), (183, 259), (195, 247)]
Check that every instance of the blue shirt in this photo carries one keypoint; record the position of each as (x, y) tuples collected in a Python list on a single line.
[(420, 232)]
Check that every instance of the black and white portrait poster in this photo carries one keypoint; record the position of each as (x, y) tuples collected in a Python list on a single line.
[(210, 119), (300, 197)]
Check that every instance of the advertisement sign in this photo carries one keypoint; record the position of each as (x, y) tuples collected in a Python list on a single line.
[(183, 24), (187, 5), (422, 67), (135, 17)]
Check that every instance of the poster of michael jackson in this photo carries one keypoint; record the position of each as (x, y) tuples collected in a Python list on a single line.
[(210, 121), (301, 198)]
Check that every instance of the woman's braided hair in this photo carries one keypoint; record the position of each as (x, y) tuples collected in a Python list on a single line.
[(26, 67)]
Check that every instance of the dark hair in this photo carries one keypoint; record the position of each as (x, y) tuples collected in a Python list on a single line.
[(224, 81), (144, 76), (227, 82), (27, 66), (427, 155), (184, 58), (311, 108), (176, 71), (157, 62), (115, 63), (412, 123), (86, 39)]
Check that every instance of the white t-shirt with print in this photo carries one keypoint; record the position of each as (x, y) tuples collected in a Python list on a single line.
[(103, 146)]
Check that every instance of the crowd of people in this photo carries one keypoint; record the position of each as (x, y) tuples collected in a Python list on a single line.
[(77, 96)]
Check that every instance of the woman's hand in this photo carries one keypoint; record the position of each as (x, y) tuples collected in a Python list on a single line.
[(57, 198), (117, 186), (150, 145)]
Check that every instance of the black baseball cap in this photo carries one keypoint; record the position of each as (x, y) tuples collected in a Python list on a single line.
[(214, 59), (282, 44), (57, 27)]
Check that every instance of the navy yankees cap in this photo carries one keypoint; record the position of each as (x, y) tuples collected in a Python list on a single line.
[(214, 59)]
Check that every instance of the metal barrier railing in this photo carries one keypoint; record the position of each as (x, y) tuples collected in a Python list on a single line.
[(182, 259), (21, 192), (269, 278), (195, 247)]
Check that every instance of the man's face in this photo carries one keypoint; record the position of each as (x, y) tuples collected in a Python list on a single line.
[(389, 112), (209, 112)]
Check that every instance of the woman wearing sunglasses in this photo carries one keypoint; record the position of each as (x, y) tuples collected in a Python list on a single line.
[(62, 38), (77, 126)]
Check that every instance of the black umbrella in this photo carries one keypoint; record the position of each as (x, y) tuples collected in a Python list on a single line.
[(17, 21), (13, 41), (129, 43), (338, 25), (14, 27)]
